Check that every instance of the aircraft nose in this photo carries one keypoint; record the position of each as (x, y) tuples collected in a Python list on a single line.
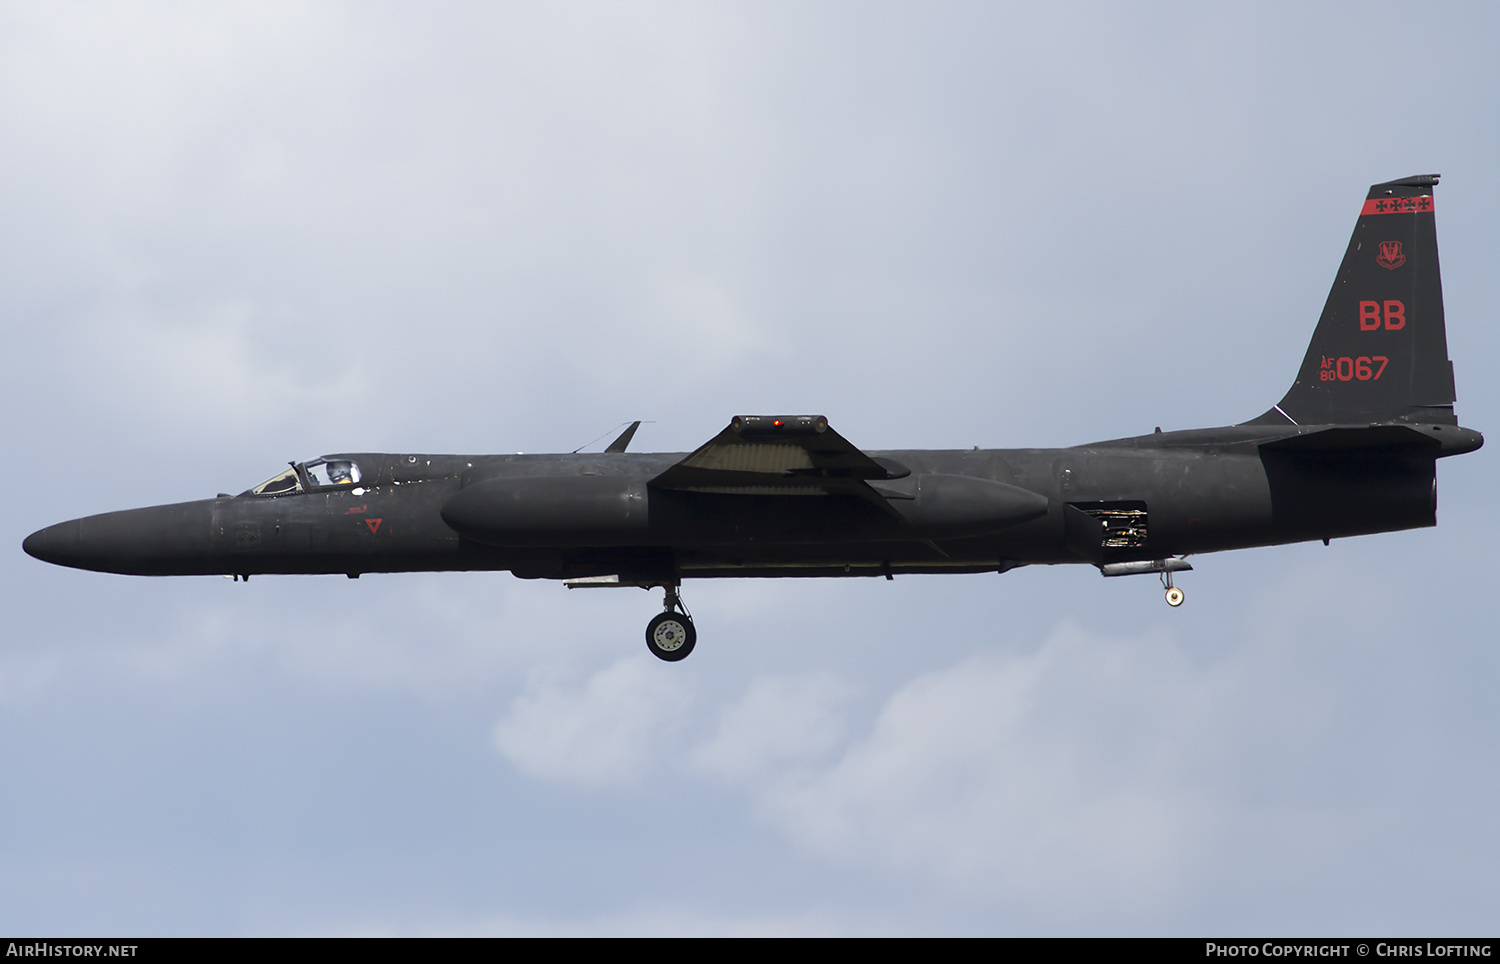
[(160, 540), (60, 545)]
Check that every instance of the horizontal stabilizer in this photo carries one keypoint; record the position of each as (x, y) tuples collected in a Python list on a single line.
[(1436, 441)]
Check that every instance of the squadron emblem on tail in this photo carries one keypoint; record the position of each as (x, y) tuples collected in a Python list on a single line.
[(1390, 256)]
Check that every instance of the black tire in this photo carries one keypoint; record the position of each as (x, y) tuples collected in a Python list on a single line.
[(671, 636)]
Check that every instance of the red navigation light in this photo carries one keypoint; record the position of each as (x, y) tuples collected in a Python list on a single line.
[(777, 422)]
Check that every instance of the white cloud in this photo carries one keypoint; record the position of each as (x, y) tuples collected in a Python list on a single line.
[(782, 722), (1033, 780), (603, 731)]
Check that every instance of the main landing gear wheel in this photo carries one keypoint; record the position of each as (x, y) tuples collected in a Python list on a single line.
[(670, 635)]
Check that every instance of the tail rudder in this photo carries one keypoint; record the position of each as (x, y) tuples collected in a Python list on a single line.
[(1380, 351)]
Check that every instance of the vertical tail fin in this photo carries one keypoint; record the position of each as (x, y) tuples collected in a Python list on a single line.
[(1380, 351)]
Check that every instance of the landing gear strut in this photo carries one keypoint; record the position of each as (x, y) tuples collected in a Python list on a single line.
[(1163, 566), (1174, 595), (670, 634)]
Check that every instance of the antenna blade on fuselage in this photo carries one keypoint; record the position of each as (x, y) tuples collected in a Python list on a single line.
[(620, 444)]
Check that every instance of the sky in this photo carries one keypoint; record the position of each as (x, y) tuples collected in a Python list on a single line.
[(236, 234)]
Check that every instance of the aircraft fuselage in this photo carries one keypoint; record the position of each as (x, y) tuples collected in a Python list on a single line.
[(1149, 497)]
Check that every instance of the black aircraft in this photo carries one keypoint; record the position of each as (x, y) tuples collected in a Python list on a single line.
[(1351, 449)]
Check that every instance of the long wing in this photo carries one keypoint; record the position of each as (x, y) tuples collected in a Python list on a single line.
[(779, 455)]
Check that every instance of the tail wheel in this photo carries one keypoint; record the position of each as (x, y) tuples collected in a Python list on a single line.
[(1174, 597), (671, 636)]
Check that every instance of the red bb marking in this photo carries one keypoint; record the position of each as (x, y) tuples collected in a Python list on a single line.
[(374, 525), (1370, 315), (355, 509)]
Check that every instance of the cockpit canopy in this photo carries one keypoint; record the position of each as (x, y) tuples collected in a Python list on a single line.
[(324, 473)]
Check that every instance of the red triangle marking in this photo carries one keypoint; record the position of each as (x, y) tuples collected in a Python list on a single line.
[(374, 524)]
